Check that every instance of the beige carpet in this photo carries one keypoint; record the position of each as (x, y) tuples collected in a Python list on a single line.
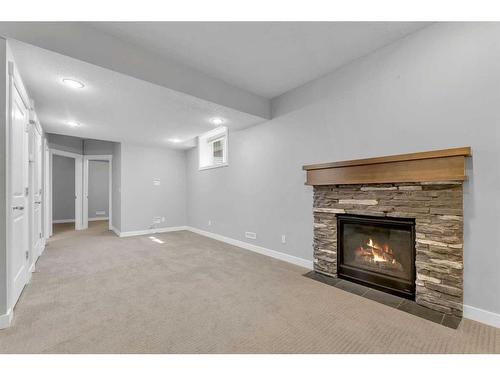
[(95, 293)]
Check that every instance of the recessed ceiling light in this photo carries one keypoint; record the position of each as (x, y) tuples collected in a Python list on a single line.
[(73, 124), (217, 121), (73, 83), (174, 140)]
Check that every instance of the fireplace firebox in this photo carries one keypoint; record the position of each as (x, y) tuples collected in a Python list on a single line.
[(378, 252)]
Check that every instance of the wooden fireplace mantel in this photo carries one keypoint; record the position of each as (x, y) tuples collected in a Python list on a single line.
[(441, 165)]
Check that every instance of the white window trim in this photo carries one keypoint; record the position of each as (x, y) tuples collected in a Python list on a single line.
[(214, 166), (211, 139)]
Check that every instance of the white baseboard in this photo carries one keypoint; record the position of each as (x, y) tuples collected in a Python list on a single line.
[(6, 319), (257, 249), (245, 245), (483, 316), (63, 221), (148, 231), (42, 249), (98, 218), (117, 232)]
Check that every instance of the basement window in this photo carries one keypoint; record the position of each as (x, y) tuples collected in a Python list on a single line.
[(212, 148)]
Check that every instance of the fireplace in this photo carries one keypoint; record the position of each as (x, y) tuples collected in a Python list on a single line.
[(378, 252), (394, 223)]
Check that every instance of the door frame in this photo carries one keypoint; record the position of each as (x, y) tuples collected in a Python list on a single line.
[(86, 159), (34, 126), (47, 202), (78, 185)]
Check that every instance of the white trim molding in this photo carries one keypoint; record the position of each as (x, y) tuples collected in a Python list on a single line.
[(100, 218), (148, 231), (85, 213), (6, 319), (244, 245), (117, 232), (483, 316), (256, 249), (78, 183), (67, 154)]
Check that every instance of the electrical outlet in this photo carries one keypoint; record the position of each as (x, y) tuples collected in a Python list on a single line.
[(251, 235), (157, 220), (209, 222), (283, 238)]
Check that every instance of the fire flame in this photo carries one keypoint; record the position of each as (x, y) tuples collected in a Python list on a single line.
[(377, 253)]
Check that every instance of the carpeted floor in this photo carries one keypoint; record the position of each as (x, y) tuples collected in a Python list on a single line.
[(183, 293)]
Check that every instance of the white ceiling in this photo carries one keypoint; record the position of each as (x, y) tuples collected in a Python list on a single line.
[(114, 106), (262, 58), (266, 58)]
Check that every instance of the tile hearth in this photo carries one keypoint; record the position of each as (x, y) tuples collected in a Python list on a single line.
[(387, 299)]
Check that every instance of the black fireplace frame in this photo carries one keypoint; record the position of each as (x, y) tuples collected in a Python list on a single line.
[(377, 280)]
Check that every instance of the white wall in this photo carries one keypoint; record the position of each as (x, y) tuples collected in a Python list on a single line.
[(98, 189), (79, 145), (435, 89), (65, 143), (97, 147), (63, 188), (141, 201)]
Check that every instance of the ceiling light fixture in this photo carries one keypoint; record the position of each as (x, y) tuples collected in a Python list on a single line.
[(73, 83), (174, 140), (73, 124), (217, 121)]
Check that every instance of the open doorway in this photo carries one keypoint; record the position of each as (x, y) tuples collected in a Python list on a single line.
[(97, 180), (66, 188)]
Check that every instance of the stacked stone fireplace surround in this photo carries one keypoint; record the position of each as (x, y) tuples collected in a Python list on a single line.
[(437, 208)]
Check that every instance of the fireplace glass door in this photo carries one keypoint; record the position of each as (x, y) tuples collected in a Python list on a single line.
[(378, 252)]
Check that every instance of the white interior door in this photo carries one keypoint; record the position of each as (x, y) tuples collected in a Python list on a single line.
[(37, 193), (78, 186), (18, 239)]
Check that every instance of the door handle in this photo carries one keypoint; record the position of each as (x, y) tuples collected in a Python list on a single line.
[(20, 208)]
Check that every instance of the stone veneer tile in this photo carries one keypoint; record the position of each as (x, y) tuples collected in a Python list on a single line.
[(437, 208)]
